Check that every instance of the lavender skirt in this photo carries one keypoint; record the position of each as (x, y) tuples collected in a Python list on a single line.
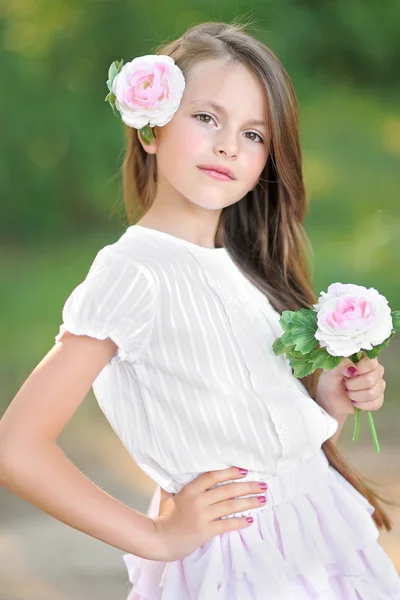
[(314, 539)]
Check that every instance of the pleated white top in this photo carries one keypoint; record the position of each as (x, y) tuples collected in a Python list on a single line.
[(194, 385)]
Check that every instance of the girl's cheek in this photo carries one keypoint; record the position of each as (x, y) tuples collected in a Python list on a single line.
[(191, 143), (255, 166), (185, 139)]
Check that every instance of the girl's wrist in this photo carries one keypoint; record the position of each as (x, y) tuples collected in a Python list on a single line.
[(146, 541), (161, 550), (320, 399)]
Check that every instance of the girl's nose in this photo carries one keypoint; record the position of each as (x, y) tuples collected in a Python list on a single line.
[(230, 153), (226, 146)]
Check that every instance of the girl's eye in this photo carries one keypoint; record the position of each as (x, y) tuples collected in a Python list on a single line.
[(256, 136), (205, 118), (204, 115)]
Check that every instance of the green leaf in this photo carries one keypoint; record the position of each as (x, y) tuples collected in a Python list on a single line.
[(299, 320), (292, 353), (300, 327), (111, 99), (396, 320), (114, 69), (377, 349), (288, 339), (306, 342), (323, 360), (301, 368), (286, 317), (305, 364), (279, 347), (146, 134), (300, 364), (305, 317)]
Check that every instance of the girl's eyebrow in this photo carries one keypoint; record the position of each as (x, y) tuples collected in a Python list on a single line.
[(217, 107)]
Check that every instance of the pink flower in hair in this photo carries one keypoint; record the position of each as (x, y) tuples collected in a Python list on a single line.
[(146, 91)]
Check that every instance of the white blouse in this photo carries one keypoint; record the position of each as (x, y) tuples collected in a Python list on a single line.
[(194, 385)]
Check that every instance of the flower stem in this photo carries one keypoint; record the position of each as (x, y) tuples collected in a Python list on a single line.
[(356, 424), (373, 430), (356, 359)]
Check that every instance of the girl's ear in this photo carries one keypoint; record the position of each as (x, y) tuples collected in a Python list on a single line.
[(150, 148)]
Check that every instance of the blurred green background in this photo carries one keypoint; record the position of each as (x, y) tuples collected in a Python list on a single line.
[(61, 150)]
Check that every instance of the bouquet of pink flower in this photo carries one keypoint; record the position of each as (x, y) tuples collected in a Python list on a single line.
[(347, 321)]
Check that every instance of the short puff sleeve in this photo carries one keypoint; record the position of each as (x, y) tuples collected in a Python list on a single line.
[(116, 300)]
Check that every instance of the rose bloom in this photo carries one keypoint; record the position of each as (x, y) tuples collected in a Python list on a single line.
[(352, 318), (148, 90)]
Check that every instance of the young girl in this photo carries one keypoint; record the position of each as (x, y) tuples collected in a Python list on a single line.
[(173, 326)]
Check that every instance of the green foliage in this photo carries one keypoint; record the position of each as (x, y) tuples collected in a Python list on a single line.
[(113, 71), (317, 359), (396, 320), (111, 99), (300, 345), (146, 134), (300, 327)]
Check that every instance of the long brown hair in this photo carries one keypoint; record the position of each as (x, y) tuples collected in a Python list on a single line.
[(262, 232)]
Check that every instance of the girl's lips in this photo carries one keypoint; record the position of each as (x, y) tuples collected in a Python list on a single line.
[(216, 174)]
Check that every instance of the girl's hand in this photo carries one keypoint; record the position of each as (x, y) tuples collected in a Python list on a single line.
[(193, 516), (364, 382)]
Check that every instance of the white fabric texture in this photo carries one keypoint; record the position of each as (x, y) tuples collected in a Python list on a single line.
[(194, 385)]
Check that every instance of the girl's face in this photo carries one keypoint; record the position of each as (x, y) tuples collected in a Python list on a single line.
[(220, 122)]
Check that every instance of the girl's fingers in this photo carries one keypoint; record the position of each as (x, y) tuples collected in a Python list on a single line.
[(232, 524), (366, 381), (237, 505), (369, 394), (207, 480), (233, 490), (371, 405), (367, 364)]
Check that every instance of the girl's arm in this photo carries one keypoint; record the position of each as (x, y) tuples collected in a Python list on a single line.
[(34, 467), (32, 464), (310, 382), (341, 419)]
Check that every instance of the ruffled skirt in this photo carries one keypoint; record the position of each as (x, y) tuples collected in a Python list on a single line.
[(314, 539)]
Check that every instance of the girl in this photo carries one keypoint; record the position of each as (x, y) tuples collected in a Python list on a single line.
[(173, 326)]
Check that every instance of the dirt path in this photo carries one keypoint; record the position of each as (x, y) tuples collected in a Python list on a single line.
[(383, 472), (42, 559)]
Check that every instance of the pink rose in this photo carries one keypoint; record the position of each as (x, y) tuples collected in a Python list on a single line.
[(352, 318), (148, 90)]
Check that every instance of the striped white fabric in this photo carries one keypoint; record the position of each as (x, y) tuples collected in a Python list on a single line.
[(194, 385)]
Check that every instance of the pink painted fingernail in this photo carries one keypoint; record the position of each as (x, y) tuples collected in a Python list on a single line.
[(263, 486), (262, 499), (243, 471), (249, 519), (352, 371)]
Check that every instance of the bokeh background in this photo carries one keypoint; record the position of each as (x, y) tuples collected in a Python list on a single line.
[(61, 201)]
